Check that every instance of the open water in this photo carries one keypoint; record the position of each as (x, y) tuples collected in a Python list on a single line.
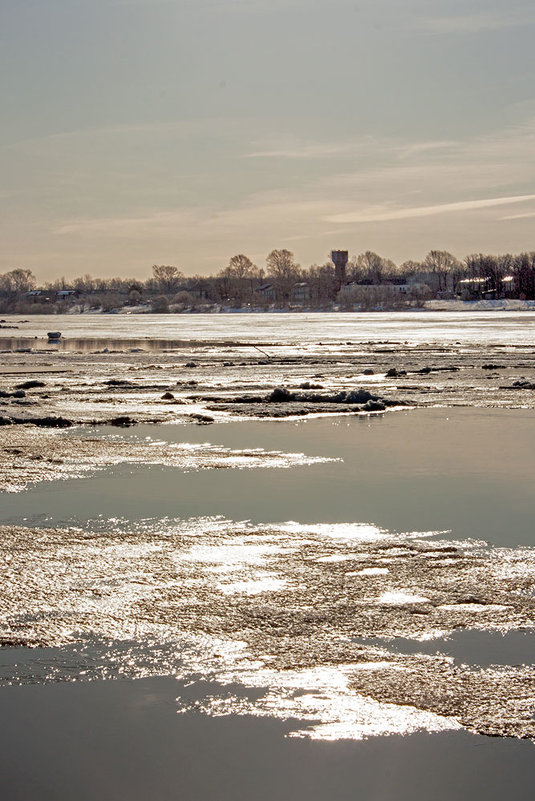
[(349, 623)]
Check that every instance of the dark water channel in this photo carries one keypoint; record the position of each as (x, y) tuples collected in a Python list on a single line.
[(123, 740), (466, 471)]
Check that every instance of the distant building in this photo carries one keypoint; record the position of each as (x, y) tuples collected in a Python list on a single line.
[(38, 296), (300, 293), (475, 288), (487, 288), (400, 289), (267, 292), (509, 286)]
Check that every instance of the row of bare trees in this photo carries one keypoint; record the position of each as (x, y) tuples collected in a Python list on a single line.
[(243, 282), (440, 271)]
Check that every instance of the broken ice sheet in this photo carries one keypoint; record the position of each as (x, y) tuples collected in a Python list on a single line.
[(32, 454), (321, 699), (284, 609)]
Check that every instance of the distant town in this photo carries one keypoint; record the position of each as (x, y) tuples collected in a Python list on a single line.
[(366, 282)]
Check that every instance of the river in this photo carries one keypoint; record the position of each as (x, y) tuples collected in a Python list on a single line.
[(337, 606)]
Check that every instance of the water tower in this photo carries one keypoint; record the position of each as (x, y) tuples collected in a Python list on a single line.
[(339, 258)]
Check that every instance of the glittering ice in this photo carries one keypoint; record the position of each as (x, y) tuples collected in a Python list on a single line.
[(321, 699), (36, 455), (287, 611), (400, 597)]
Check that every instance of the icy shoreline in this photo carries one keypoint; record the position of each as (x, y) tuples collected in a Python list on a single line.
[(452, 305), (205, 380)]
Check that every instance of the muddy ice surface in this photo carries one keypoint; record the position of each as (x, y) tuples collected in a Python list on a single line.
[(218, 379), (277, 618)]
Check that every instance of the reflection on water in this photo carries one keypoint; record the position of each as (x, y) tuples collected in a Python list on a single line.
[(143, 749), (50, 456), (268, 607), (103, 344), (466, 470)]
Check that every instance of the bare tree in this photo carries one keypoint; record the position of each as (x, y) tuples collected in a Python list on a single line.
[(17, 281), (183, 300), (492, 268), (84, 283), (445, 267), (409, 269), (523, 269), (322, 283), (241, 266), (283, 272), (160, 304), (134, 297), (239, 278), (167, 277), (111, 301), (372, 267)]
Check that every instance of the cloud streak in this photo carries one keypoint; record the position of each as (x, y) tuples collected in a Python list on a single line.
[(359, 192), (525, 216), (424, 211), (363, 146), (305, 150), (465, 24)]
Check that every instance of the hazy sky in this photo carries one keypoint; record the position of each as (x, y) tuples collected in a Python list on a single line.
[(182, 132)]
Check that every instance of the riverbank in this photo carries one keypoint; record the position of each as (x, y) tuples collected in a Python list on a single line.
[(451, 305)]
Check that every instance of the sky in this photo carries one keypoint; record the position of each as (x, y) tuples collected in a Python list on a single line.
[(141, 132)]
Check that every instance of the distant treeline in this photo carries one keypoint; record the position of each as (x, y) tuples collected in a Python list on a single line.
[(367, 281)]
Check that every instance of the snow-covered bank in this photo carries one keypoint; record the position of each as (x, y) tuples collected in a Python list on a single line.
[(502, 304)]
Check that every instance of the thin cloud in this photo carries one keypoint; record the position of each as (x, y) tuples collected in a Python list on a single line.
[(422, 180), (525, 216), (309, 150), (127, 226), (498, 163), (319, 150), (476, 23), (419, 148), (260, 213), (425, 211), (184, 128)]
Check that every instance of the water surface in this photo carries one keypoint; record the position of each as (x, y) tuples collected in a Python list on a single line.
[(300, 329), (468, 471)]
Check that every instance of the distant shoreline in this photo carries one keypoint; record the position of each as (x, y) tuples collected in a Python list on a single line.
[(503, 305)]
